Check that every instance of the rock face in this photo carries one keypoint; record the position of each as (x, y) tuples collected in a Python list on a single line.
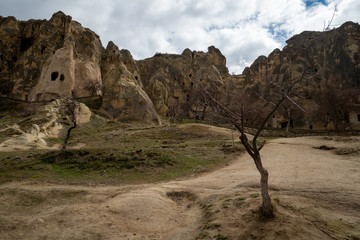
[(328, 55), (169, 77), (329, 58), (47, 59), (44, 60), (123, 96)]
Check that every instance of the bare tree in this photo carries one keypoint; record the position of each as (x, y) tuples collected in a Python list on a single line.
[(178, 109), (258, 106), (328, 25), (335, 103), (69, 107), (291, 111)]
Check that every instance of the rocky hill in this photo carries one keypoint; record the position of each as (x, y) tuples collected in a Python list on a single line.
[(43, 60)]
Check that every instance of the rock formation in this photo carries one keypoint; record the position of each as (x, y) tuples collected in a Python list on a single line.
[(44, 60), (41, 61), (47, 122), (170, 76), (330, 54), (123, 96), (330, 58)]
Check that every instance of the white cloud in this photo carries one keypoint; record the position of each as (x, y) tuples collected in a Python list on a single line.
[(241, 29)]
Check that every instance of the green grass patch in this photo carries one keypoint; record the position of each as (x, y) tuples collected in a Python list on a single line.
[(117, 152)]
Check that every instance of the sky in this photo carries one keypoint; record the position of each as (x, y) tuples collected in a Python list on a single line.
[(241, 29)]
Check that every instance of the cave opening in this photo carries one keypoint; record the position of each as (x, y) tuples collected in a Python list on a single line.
[(62, 77), (25, 44), (54, 76)]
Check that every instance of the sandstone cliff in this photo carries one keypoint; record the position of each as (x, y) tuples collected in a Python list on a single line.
[(328, 55), (169, 77), (330, 58), (123, 96), (42, 60)]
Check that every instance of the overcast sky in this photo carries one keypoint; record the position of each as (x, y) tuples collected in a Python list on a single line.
[(241, 29)]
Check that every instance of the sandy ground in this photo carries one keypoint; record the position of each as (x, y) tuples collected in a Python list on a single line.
[(315, 192)]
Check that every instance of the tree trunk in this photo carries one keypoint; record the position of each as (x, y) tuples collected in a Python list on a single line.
[(267, 208), (287, 126), (68, 135)]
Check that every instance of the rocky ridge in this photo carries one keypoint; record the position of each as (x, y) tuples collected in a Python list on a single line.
[(44, 60)]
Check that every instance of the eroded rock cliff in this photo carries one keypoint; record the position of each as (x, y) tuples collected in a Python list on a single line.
[(42, 60), (329, 55), (171, 77)]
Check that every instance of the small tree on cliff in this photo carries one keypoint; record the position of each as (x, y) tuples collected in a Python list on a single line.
[(68, 109), (259, 106)]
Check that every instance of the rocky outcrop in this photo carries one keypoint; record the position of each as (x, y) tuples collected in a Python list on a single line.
[(330, 55), (169, 77), (123, 98), (48, 122), (330, 58), (41, 61)]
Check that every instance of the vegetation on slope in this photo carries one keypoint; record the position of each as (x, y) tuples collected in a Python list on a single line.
[(115, 152)]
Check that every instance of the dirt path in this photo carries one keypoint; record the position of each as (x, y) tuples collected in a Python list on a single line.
[(316, 194)]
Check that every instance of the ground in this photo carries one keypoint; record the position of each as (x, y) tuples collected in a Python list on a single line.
[(314, 185)]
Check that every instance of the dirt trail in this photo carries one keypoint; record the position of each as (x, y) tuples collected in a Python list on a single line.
[(316, 194)]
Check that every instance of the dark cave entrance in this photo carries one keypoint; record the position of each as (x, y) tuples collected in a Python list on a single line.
[(25, 44), (54, 76)]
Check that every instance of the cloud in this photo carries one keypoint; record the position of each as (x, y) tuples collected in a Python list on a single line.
[(241, 29)]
